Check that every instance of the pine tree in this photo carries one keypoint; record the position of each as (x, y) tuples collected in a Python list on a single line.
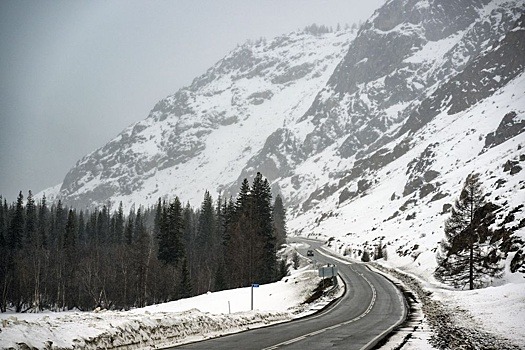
[(366, 256), (128, 231), (119, 224), (189, 233), (43, 222), (279, 221), (207, 244), (142, 256), (31, 218), (295, 260), (220, 278), (379, 251), (158, 219), (16, 230), (244, 196), (103, 225), (70, 230), (185, 289), (171, 249), (466, 255), (59, 216), (3, 224), (262, 196), (283, 270)]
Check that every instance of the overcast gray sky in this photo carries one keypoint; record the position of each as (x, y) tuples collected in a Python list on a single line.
[(74, 74)]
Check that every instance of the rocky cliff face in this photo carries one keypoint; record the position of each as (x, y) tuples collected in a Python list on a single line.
[(412, 61)]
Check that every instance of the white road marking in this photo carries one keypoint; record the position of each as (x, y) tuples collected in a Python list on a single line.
[(366, 312)]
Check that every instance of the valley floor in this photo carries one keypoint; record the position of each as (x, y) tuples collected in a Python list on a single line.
[(493, 316)]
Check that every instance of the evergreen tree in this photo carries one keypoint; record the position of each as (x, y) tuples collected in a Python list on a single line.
[(283, 270), (81, 228), (4, 256), (189, 233), (176, 231), (31, 218), (265, 231), (171, 249), (158, 219), (70, 230), (142, 259), (59, 216), (3, 224), (220, 278), (279, 221), (185, 289), (129, 229), (162, 235), (243, 198), (43, 222), (207, 244), (379, 251), (119, 224), (366, 256), (466, 255), (295, 260), (16, 230), (103, 225), (139, 224)]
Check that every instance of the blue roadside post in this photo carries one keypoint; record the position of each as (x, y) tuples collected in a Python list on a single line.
[(254, 285)]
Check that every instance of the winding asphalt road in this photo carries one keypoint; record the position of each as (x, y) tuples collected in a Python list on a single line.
[(371, 307)]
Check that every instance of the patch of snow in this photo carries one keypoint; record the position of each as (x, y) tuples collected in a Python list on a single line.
[(181, 321)]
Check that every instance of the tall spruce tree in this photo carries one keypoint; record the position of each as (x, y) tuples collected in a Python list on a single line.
[(467, 255), (70, 230), (185, 288), (16, 229), (171, 249), (262, 196), (59, 216), (43, 222), (207, 244), (279, 221), (3, 224), (118, 226), (31, 218)]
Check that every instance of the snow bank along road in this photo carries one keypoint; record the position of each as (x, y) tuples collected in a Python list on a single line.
[(371, 307)]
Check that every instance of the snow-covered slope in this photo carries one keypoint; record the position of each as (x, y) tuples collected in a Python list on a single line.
[(366, 138), (200, 137), (428, 92)]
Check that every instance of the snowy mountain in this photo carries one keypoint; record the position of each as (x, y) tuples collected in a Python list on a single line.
[(367, 135), (200, 137)]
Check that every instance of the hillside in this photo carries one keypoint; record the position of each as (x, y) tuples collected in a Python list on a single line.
[(368, 136), (200, 137)]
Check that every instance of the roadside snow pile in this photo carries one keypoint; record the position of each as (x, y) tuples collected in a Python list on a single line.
[(111, 329), (480, 306), (474, 319), (172, 323)]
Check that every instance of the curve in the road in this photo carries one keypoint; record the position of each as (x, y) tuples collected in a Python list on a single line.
[(302, 337), (370, 309)]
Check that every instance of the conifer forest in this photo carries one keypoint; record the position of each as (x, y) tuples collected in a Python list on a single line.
[(60, 258)]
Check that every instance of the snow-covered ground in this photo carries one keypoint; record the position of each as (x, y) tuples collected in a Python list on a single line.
[(496, 312), (172, 323), (411, 224)]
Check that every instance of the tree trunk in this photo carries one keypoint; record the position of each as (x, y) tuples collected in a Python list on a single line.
[(471, 265)]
